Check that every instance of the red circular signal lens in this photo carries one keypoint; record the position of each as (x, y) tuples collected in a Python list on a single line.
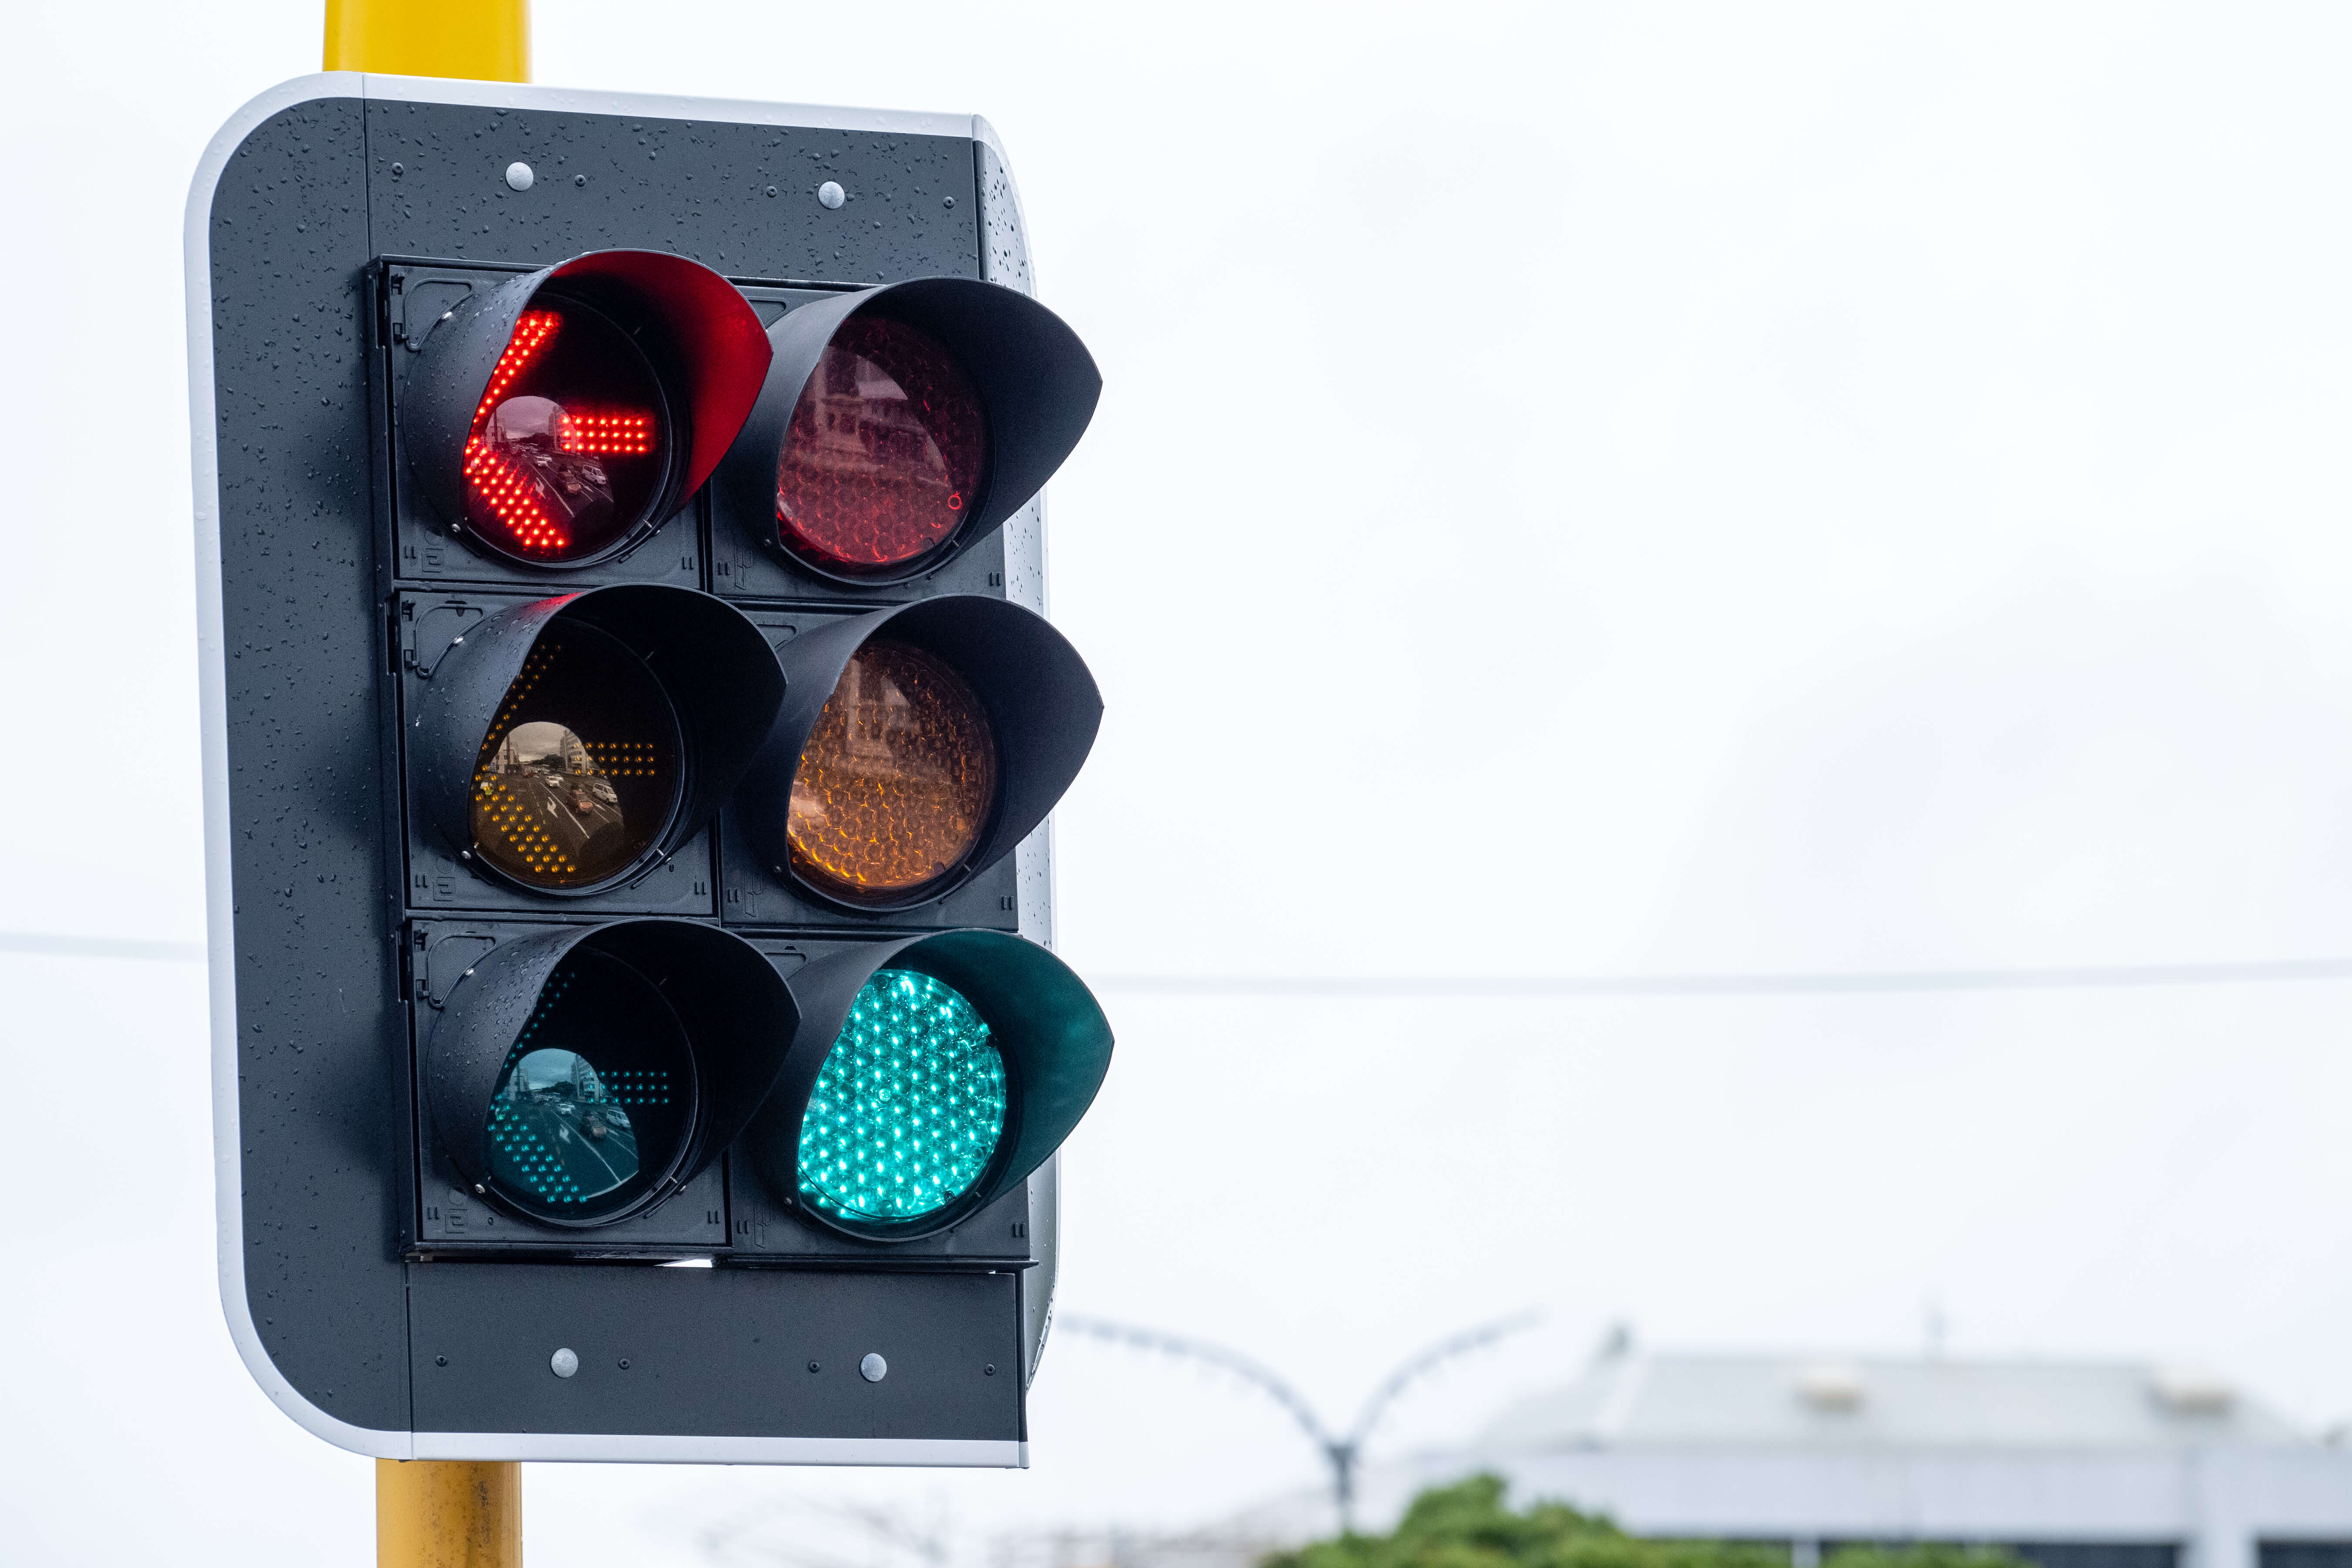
[(883, 458), (570, 443)]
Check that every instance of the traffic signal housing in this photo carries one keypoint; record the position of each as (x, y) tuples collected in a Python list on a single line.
[(520, 991)]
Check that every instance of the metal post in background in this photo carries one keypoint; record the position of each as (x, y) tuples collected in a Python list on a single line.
[(1342, 1453)]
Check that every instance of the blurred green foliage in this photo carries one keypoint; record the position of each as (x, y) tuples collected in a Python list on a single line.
[(1466, 1525)]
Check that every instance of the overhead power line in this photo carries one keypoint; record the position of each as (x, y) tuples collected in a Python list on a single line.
[(2074, 978), (102, 947)]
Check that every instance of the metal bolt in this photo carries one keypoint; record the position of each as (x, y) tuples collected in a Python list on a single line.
[(480, 1190), (563, 1363), (440, 1361), (830, 195), (873, 1369), (519, 176), (988, 1371), (399, 169), (771, 190), (624, 1364), (950, 202), (812, 1366), (579, 179)]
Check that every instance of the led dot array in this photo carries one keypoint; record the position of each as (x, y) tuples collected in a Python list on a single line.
[(512, 494), (530, 1126), (896, 779), (510, 491), (534, 462), (908, 1106), (884, 452), (516, 817), (607, 435)]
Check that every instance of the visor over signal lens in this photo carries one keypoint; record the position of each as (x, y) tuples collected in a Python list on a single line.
[(558, 419), (571, 745), (914, 748)]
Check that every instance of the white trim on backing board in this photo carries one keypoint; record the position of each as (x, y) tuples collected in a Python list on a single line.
[(219, 904)]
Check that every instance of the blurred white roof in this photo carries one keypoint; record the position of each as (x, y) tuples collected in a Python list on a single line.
[(1633, 1398)]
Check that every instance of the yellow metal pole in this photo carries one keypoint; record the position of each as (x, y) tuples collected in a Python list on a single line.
[(448, 1513), (485, 40)]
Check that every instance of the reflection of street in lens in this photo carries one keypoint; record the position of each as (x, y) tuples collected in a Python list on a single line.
[(551, 801), (546, 473), (593, 1104), (559, 1132), (577, 774)]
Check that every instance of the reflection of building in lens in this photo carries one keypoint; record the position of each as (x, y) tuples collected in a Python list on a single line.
[(545, 797), (896, 780), (883, 458), (539, 464), (558, 1132)]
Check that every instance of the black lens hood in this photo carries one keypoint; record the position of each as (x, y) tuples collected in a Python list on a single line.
[(715, 667), (1038, 385), (1042, 704), (735, 1011)]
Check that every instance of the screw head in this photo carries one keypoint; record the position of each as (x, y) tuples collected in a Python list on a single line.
[(624, 1364), (873, 1369), (988, 1371), (519, 176), (440, 1361), (579, 179), (564, 1363), (830, 195), (400, 168), (812, 1366)]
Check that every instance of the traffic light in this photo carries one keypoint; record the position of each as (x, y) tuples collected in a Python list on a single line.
[(630, 729)]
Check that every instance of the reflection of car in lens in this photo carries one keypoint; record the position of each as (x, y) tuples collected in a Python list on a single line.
[(552, 798), (559, 1132)]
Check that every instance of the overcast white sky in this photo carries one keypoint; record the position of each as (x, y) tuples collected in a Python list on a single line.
[(1579, 490)]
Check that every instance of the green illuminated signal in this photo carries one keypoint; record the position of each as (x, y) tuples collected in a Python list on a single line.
[(909, 1107)]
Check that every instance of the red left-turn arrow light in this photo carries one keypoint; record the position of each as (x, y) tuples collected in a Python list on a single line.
[(559, 419)]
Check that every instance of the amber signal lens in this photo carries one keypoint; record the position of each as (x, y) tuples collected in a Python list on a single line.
[(895, 782), (578, 772), (564, 457), (882, 463)]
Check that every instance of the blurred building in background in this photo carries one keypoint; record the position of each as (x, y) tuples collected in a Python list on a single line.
[(2072, 1464), (2076, 1464)]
